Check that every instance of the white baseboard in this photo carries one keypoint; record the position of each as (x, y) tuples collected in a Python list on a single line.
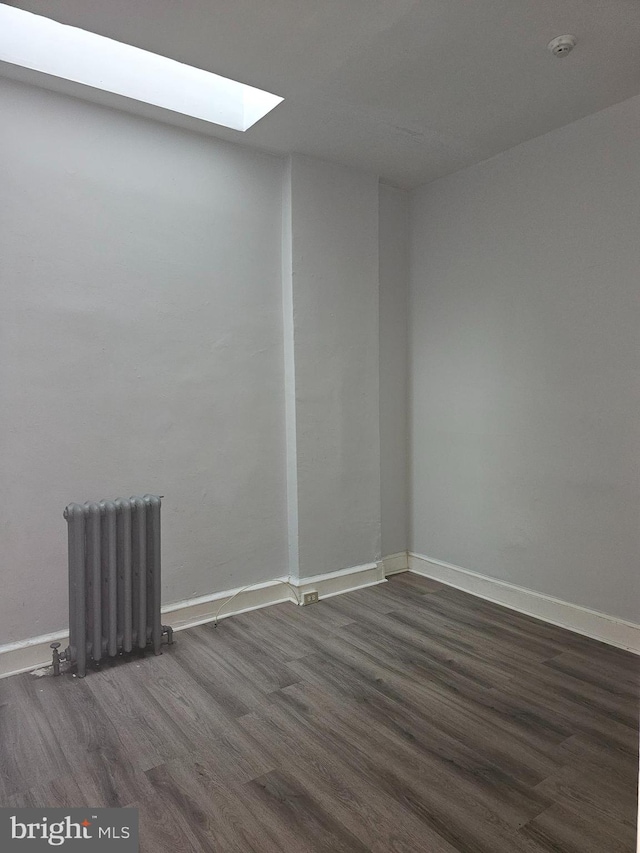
[(344, 580), (396, 563), (199, 611), (582, 620), (27, 655)]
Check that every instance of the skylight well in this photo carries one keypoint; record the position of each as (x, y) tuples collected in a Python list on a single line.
[(41, 44)]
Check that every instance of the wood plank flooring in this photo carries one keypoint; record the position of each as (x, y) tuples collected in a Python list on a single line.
[(404, 717)]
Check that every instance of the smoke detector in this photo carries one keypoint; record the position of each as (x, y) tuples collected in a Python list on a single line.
[(562, 45)]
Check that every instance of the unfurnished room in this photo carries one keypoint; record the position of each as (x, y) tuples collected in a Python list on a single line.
[(319, 426)]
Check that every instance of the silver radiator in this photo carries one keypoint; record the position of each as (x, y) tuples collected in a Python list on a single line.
[(114, 580)]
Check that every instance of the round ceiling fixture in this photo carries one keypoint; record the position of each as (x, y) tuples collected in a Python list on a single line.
[(562, 45)]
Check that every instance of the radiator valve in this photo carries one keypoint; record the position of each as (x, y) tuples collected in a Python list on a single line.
[(56, 658)]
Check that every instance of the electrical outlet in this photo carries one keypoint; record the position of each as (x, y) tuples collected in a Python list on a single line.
[(310, 598)]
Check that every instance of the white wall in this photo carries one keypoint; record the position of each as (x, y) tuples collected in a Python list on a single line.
[(143, 348), (140, 347), (393, 236), (525, 349), (331, 290)]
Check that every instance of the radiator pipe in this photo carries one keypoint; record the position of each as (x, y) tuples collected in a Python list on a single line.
[(111, 579), (56, 658), (124, 561), (75, 516), (153, 504), (140, 570), (94, 572)]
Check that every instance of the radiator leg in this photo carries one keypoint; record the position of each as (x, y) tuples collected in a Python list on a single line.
[(168, 630), (81, 665)]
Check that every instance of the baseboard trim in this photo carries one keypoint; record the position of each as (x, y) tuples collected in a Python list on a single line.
[(199, 611), (34, 653), (581, 620), (396, 563), (343, 580)]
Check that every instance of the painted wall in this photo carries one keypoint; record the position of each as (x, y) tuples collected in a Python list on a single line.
[(393, 236), (525, 351), (140, 347), (333, 365)]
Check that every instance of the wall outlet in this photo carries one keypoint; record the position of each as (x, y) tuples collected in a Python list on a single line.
[(310, 597)]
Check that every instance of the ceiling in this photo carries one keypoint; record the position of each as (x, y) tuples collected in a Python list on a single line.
[(409, 89)]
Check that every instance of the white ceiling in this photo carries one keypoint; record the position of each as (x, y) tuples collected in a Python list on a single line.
[(409, 89)]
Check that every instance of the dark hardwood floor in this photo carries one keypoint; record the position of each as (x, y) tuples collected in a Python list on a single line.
[(403, 717)]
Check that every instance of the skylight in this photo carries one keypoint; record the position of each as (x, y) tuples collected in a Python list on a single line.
[(41, 44)]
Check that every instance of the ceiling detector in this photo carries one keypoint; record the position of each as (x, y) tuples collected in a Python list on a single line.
[(562, 45)]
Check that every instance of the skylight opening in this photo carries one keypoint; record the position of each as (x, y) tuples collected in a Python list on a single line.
[(35, 42)]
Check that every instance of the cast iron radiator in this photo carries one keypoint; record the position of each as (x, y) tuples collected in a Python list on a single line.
[(114, 580)]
